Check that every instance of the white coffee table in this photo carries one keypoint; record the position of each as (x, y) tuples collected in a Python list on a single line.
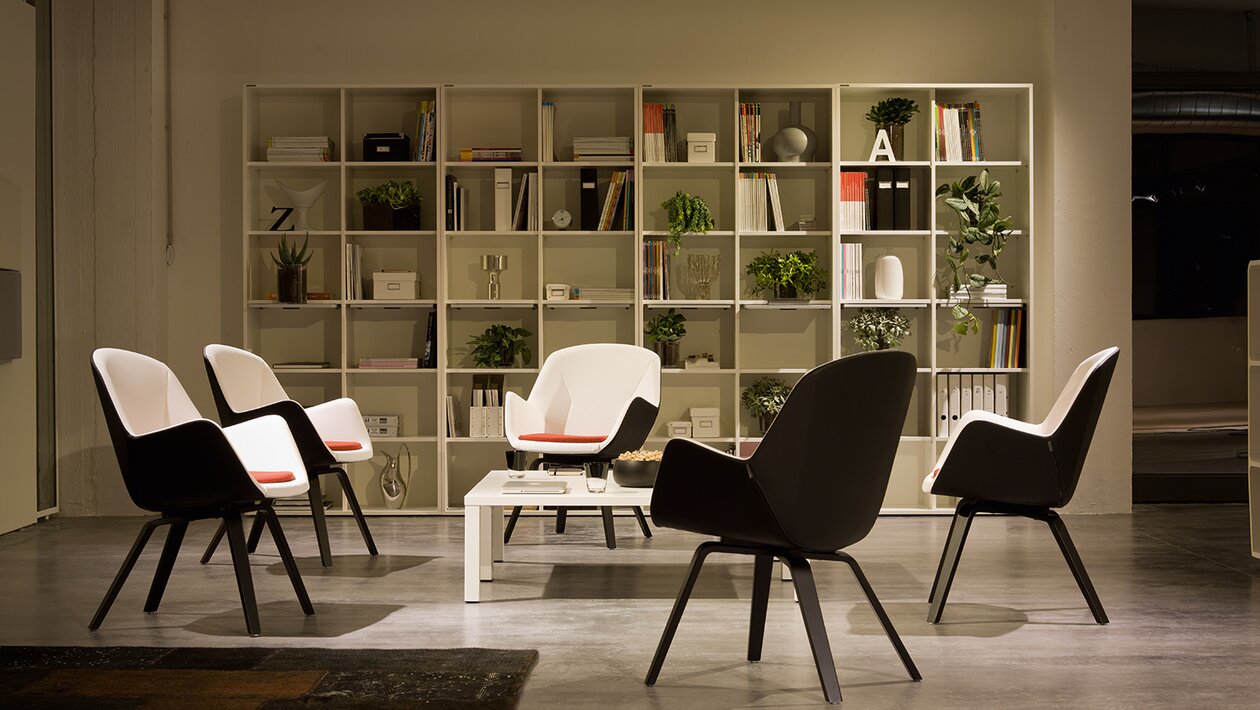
[(483, 517)]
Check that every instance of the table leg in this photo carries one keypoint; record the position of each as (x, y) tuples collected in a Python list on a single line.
[(786, 573), (486, 542), (472, 553), (496, 533)]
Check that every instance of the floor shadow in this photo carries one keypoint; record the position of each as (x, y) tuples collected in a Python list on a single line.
[(364, 566), (910, 619), (286, 619), (635, 581)]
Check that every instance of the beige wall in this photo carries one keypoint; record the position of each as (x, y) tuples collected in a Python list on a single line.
[(17, 251), (1189, 361), (217, 47)]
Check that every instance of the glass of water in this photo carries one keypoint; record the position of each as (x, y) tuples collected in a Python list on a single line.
[(596, 476)]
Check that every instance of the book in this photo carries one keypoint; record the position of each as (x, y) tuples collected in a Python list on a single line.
[(750, 132), (451, 186), (489, 154), (603, 147), (853, 201), (518, 215), (531, 201), (424, 148), (588, 214), (302, 149), (452, 424), (776, 205), (964, 394), (502, 199), (851, 267), (430, 342), (549, 131), (959, 135), (301, 365), (669, 118)]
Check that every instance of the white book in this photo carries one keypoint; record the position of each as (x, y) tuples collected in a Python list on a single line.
[(955, 136), (520, 204), (942, 406), (988, 393), (977, 392), (1001, 399), (533, 201), (955, 401), (463, 208), (502, 199), (964, 387), (776, 203)]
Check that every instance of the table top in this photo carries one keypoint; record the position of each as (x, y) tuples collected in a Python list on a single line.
[(487, 492)]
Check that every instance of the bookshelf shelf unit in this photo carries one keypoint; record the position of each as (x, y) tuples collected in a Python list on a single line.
[(749, 336)]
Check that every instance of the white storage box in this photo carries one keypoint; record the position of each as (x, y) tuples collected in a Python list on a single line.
[(701, 147), (704, 421), (395, 285), (557, 292), (675, 430)]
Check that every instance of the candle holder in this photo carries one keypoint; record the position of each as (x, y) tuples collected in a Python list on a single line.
[(493, 264)]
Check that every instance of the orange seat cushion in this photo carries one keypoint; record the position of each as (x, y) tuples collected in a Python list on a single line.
[(343, 445), (273, 476), (563, 438)]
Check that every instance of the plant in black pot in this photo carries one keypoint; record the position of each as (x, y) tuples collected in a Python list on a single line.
[(499, 346), (764, 398), (393, 206), (879, 328), (891, 116), (665, 330), (291, 264), (792, 276)]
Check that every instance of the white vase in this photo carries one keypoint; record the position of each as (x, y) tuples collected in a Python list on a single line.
[(789, 144), (889, 281)]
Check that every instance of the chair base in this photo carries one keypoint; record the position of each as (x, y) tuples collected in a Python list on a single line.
[(965, 512), (807, 595)]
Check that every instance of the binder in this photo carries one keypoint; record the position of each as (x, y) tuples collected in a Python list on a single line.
[(477, 414), (901, 198), (964, 387), (502, 199), (450, 203), (589, 201), (977, 392), (955, 401), (1001, 399), (942, 405), (883, 199), (988, 393)]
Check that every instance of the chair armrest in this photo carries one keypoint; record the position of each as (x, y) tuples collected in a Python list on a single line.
[(339, 420), (520, 417), (706, 491), (265, 444), (314, 453), (991, 457), (188, 465)]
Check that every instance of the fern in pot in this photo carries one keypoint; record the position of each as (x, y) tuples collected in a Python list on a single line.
[(665, 331), (688, 214), (393, 205), (499, 346), (879, 328), (764, 398)]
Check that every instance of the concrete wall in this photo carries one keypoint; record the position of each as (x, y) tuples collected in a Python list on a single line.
[(17, 251), (218, 47)]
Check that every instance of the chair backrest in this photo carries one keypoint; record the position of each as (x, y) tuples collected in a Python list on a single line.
[(583, 388), (824, 464), (141, 393), (1074, 416), (240, 380)]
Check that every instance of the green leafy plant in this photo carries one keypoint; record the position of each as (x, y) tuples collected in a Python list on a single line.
[(892, 112), (688, 214), (291, 257), (971, 255), (499, 346), (879, 328), (797, 271), (667, 327), (765, 395), (398, 194)]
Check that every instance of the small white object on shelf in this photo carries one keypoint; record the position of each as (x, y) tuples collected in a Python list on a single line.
[(557, 292), (704, 421), (395, 285), (703, 361), (678, 430), (701, 147), (889, 279)]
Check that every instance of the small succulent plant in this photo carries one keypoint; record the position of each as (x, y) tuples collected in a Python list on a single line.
[(292, 257)]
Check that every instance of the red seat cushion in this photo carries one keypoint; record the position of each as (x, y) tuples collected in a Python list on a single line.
[(273, 476), (343, 445), (563, 438)]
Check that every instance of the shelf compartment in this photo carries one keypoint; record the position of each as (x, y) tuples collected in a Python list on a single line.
[(918, 343), (268, 200), (480, 208), (970, 352), (384, 252), (801, 193), (857, 135), (1014, 201), (815, 114), (749, 425), (751, 247), (376, 332), (681, 287), (413, 399), (715, 186), (589, 113), (562, 189), (421, 479), (383, 110), (597, 261), (476, 117), (323, 272), (462, 325), (699, 111), (570, 326), (291, 112), (1004, 121), (921, 192), (784, 339), (296, 335), (678, 394), (709, 331), (916, 263), (465, 281), (424, 178)]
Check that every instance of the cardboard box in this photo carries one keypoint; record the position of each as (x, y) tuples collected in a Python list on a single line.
[(676, 430), (395, 285), (704, 421), (701, 147)]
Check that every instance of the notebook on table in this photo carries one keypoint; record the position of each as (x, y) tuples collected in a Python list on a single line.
[(545, 487)]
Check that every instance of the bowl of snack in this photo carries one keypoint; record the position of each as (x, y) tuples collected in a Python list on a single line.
[(637, 469)]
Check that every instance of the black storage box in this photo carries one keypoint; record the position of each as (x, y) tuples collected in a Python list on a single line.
[(386, 147)]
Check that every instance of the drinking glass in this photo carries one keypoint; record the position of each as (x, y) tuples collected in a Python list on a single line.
[(596, 476)]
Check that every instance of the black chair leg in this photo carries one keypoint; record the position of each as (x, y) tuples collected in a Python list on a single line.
[(815, 629), (643, 523), (214, 543), (316, 497), (353, 500), (949, 562), (675, 616), (286, 556), (255, 533), (562, 517), (240, 562), (129, 562), (1074, 563), (884, 621), (760, 599), (511, 524), (610, 533), (174, 538)]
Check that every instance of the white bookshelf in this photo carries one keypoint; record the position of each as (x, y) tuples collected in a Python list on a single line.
[(749, 336)]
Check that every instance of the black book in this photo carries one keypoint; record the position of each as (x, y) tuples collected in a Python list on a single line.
[(590, 200), (883, 199), (450, 203), (430, 342), (901, 199)]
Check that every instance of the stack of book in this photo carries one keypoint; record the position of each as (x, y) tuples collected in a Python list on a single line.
[(603, 148), (750, 132), (958, 394), (853, 215), (301, 365), (759, 202), (389, 363), (592, 293), (1008, 337), (452, 423), (958, 135), (660, 133), (489, 154), (526, 215), (656, 269), (485, 413), (549, 130), (618, 203), (354, 272), (299, 149), (425, 146), (851, 270)]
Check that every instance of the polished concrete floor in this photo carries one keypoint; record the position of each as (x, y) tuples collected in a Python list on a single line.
[(1182, 592)]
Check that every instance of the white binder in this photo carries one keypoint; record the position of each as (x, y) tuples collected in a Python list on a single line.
[(988, 393), (1001, 399), (977, 392), (503, 199), (964, 388), (942, 406), (955, 401)]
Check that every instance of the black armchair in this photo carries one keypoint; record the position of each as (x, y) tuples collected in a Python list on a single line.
[(813, 487), (1009, 467)]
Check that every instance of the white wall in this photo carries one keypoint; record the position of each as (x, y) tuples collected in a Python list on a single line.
[(17, 251)]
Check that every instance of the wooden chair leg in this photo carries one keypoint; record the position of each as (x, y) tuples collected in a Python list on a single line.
[(316, 497), (353, 500), (815, 629), (240, 562), (610, 532), (1078, 568), (511, 524), (958, 530), (286, 556), (174, 538), (643, 523), (760, 599), (214, 543), (884, 621), (675, 616), (129, 562)]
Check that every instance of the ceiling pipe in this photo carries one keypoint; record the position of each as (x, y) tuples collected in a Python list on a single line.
[(1198, 110)]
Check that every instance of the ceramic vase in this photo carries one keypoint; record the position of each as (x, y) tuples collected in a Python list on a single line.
[(795, 142), (889, 279), (291, 284), (896, 138)]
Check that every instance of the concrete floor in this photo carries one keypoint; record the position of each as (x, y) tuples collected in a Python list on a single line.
[(1182, 592)]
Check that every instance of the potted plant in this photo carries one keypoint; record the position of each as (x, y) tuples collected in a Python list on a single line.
[(665, 330), (795, 275), (688, 214), (971, 254), (291, 270), (393, 205), (879, 328), (764, 398), (499, 346), (892, 115)]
